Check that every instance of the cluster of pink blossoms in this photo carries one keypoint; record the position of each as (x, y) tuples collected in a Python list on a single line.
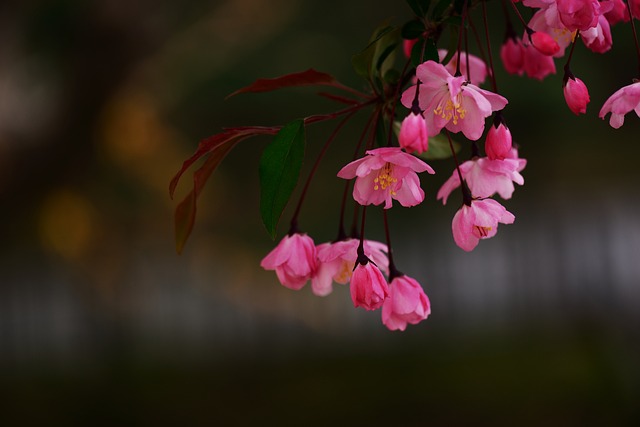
[(557, 24), (443, 99)]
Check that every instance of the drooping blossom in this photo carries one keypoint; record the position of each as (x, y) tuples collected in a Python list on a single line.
[(537, 65), (598, 39), (477, 67), (486, 177), (451, 102), (578, 14), (384, 174), (544, 43), (368, 286), (499, 141), (618, 13), (576, 95), (294, 260), (478, 221), (624, 100), (413, 134), (336, 261), (547, 21), (512, 55), (406, 304)]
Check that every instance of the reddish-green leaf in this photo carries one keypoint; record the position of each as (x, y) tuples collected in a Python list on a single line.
[(305, 78), (216, 147)]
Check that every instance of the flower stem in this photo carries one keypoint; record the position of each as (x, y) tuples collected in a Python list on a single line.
[(393, 271), (466, 193), (635, 35), (486, 32), (294, 219)]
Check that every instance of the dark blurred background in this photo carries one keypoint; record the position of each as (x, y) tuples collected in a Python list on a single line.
[(102, 323)]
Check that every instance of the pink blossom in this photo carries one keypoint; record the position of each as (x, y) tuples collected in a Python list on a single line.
[(620, 103), (384, 174), (451, 102), (336, 260), (413, 134), (576, 95), (499, 141), (578, 14), (294, 260), (486, 177), (368, 286), (598, 39), (537, 65), (477, 67), (406, 303), (478, 221), (618, 13), (548, 21), (512, 55)]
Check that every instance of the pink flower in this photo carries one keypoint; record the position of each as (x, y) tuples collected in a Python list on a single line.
[(478, 221), (384, 174), (576, 95), (451, 102), (598, 39), (512, 55), (620, 103), (578, 14), (336, 261), (368, 286), (499, 141), (477, 67), (618, 13), (544, 43), (486, 177), (406, 303), (413, 134), (537, 65), (294, 260)]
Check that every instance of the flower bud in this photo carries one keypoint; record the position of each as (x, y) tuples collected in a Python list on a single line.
[(512, 56), (368, 286), (544, 43), (499, 141), (576, 95), (413, 134)]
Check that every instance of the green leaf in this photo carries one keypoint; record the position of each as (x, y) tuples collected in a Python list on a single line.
[(439, 148), (439, 9), (381, 133), (376, 57), (424, 50), (412, 30), (419, 7), (431, 51), (279, 172)]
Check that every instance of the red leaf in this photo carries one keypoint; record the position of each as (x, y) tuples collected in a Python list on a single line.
[(217, 147), (208, 144), (304, 78)]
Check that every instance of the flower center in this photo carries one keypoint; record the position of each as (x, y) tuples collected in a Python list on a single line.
[(385, 178), (450, 110), (344, 274), (481, 232)]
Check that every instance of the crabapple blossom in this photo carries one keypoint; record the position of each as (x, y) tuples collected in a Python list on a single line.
[(512, 55), (413, 134), (576, 95), (618, 13), (384, 174), (624, 100), (578, 14), (486, 177), (336, 260), (294, 260), (477, 67), (499, 142), (406, 303), (598, 39), (451, 102), (368, 286), (478, 221)]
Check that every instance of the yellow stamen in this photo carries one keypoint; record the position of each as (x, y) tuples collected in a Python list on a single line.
[(451, 111), (385, 179)]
